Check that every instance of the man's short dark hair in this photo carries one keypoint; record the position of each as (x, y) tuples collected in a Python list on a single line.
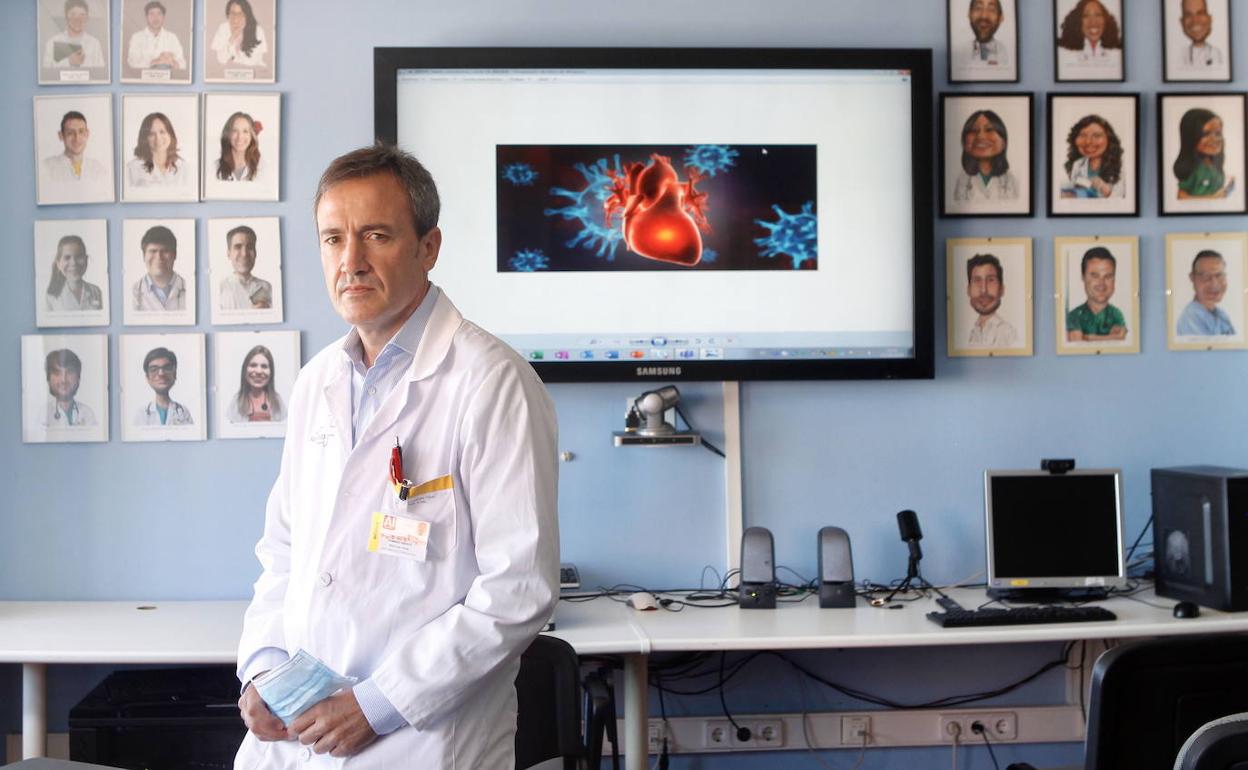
[(154, 4), (72, 115), (156, 353), (244, 229), (71, 4), (383, 158), (62, 359), (1207, 254), (997, 3), (985, 259), (1096, 252), (161, 236)]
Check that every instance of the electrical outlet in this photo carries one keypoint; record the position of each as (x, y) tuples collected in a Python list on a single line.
[(769, 733), (717, 734), (998, 725), (654, 739), (854, 729)]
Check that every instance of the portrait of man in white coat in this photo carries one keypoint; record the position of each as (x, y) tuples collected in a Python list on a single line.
[(431, 624)]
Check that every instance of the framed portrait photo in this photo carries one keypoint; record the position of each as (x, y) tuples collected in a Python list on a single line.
[(1094, 155), (1197, 40), (242, 146), (989, 296), (1097, 295), (160, 147), (74, 149), (986, 155), (255, 374), (1201, 152), (245, 270), (240, 41), (1091, 40), (158, 272), (71, 272), (158, 41), (73, 42), (64, 388), (1206, 291), (162, 387), (983, 41)]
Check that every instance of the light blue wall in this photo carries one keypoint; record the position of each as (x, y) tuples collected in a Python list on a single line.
[(178, 521)]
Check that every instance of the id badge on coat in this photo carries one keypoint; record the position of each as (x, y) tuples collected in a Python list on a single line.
[(403, 532)]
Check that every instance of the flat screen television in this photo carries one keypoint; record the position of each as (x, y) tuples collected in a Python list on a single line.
[(622, 214)]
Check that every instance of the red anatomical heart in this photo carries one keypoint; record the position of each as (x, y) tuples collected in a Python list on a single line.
[(661, 214)]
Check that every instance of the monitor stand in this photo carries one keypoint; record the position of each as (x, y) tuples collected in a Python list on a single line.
[(1048, 595)]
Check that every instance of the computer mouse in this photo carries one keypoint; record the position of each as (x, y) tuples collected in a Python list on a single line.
[(643, 600), (1186, 610)]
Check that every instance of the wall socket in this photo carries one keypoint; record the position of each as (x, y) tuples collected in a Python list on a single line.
[(998, 725), (855, 727), (719, 734)]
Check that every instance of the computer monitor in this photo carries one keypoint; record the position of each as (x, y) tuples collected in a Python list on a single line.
[(1054, 536), (670, 214)]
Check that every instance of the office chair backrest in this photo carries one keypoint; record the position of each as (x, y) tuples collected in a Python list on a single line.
[(1219, 745), (548, 694), (1149, 696)]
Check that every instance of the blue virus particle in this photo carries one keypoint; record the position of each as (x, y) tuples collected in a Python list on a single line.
[(585, 207), (709, 255), (520, 174), (791, 234), (710, 159), (529, 261)]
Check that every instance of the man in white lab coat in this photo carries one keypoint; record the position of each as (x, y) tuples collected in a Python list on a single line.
[(428, 600)]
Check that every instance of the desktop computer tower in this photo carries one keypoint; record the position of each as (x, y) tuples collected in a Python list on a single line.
[(1200, 535)]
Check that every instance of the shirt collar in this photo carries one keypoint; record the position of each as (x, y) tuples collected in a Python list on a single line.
[(405, 340)]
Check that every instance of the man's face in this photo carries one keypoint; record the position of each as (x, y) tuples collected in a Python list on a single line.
[(985, 16), (242, 252), (159, 259), (74, 136), (1209, 280), (985, 289), (63, 384), (376, 267), (161, 374), (155, 19), (76, 20), (1098, 281), (1197, 22), (72, 260)]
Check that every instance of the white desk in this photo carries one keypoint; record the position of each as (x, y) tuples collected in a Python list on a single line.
[(35, 634)]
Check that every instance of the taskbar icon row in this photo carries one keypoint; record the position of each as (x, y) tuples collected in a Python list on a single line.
[(712, 354)]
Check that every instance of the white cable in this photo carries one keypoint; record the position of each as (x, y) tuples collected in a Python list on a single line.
[(957, 733)]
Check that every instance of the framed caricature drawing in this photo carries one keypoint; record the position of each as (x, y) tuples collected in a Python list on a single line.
[(157, 39), (162, 387), (1206, 307), (983, 41), (245, 267), (1201, 152), (158, 272), (1094, 153), (1197, 40), (64, 388), (1097, 294), (989, 296), (242, 146), (255, 374), (986, 155), (74, 149), (160, 147), (73, 42), (1091, 40)]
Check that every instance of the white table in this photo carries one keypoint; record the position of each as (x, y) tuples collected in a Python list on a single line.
[(36, 634)]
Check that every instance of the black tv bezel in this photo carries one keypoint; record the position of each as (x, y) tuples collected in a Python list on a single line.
[(388, 61)]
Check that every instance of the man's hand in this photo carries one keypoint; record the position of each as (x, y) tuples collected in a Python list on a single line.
[(335, 726), (259, 719), (77, 58)]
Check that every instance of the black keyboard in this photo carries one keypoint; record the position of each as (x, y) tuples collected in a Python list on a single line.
[(1017, 616)]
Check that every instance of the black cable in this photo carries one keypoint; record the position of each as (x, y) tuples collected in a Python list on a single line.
[(689, 426), (978, 727), (1139, 537), (743, 733)]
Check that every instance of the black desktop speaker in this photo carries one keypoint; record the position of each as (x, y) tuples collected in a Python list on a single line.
[(1200, 535), (836, 569), (758, 570)]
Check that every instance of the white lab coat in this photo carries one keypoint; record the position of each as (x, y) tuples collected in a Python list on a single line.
[(440, 638)]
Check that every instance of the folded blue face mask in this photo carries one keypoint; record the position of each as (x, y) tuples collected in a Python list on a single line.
[(297, 685)]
